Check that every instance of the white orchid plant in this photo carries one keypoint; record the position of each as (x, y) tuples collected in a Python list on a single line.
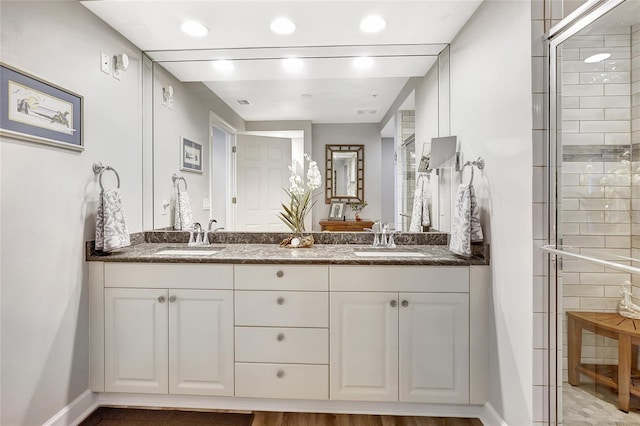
[(300, 198)]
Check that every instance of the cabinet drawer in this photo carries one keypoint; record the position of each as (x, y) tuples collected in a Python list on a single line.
[(282, 381), (419, 279), (165, 275), (290, 345), (282, 308), (282, 277)]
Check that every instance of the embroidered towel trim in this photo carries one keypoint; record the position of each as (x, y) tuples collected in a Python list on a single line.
[(111, 225), (183, 215), (421, 204), (466, 222)]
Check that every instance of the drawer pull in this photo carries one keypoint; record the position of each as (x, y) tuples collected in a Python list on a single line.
[(393, 303), (280, 374), (280, 274), (280, 301), (161, 299), (172, 298), (405, 303), (280, 337)]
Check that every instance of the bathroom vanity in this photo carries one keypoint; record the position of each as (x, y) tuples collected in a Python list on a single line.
[(256, 326)]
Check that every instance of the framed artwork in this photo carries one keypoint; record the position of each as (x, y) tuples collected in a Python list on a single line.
[(190, 156), (336, 211), (35, 110)]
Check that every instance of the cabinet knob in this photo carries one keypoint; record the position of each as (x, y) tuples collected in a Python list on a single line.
[(405, 303), (280, 301), (280, 274), (280, 374), (393, 303), (280, 337), (172, 298), (161, 299)]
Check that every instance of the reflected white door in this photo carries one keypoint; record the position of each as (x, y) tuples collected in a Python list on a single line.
[(262, 171)]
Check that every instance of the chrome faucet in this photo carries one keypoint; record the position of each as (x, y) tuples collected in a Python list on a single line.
[(383, 235), (211, 222), (198, 231)]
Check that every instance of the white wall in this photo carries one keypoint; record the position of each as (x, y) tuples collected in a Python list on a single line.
[(49, 200), (340, 134), (491, 114), (189, 118)]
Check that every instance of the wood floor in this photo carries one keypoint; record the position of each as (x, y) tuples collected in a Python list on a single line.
[(305, 419), (106, 416)]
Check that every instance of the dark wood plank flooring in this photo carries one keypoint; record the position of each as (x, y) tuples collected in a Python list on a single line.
[(105, 416)]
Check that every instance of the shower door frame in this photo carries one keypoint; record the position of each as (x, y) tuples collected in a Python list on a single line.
[(575, 22)]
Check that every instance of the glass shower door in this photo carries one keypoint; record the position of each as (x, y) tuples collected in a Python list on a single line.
[(594, 164)]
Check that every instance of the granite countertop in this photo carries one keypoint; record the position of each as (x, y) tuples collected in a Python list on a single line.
[(333, 254)]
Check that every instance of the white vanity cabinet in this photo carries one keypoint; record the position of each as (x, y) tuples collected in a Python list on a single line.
[(410, 344), (380, 335), (160, 336), (281, 333)]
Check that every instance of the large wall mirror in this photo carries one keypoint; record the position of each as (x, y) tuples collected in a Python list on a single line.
[(344, 171), (255, 111)]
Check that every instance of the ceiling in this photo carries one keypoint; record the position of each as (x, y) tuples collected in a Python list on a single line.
[(327, 39)]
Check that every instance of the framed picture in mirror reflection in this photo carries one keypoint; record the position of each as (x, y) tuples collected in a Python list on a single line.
[(336, 211), (191, 155)]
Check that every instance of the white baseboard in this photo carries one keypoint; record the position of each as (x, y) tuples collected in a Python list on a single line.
[(81, 407), (490, 417), (289, 405), (78, 410)]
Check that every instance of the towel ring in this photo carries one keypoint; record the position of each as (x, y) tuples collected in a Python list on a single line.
[(99, 169), (479, 163), (468, 163), (175, 178)]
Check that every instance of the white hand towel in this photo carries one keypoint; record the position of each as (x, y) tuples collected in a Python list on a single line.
[(421, 204), (111, 224), (466, 222), (184, 217)]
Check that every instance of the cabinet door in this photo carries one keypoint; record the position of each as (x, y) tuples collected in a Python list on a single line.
[(364, 346), (135, 340), (434, 347), (201, 342)]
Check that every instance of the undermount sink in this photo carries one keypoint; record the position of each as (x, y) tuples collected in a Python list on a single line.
[(200, 251), (388, 254)]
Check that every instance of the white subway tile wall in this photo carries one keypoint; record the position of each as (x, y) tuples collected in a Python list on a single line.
[(599, 177), (405, 158)]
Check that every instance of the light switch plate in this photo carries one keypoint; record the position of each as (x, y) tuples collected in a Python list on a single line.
[(105, 63), (206, 204)]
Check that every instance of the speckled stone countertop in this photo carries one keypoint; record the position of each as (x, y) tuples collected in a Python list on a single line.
[(327, 254)]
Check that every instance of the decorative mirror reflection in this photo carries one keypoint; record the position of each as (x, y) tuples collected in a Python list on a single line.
[(344, 173)]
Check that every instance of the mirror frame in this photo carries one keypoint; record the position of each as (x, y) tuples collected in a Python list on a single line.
[(328, 156)]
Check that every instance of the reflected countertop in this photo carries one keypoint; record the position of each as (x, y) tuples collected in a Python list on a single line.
[(328, 254)]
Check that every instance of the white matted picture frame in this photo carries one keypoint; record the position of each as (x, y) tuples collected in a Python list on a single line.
[(336, 211), (190, 155)]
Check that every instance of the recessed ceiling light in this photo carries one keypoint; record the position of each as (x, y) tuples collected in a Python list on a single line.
[(372, 24), (194, 29), (282, 26), (599, 57), (293, 64), (363, 62), (223, 65)]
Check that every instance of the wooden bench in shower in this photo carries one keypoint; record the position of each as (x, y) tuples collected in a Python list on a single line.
[(624, 377)]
